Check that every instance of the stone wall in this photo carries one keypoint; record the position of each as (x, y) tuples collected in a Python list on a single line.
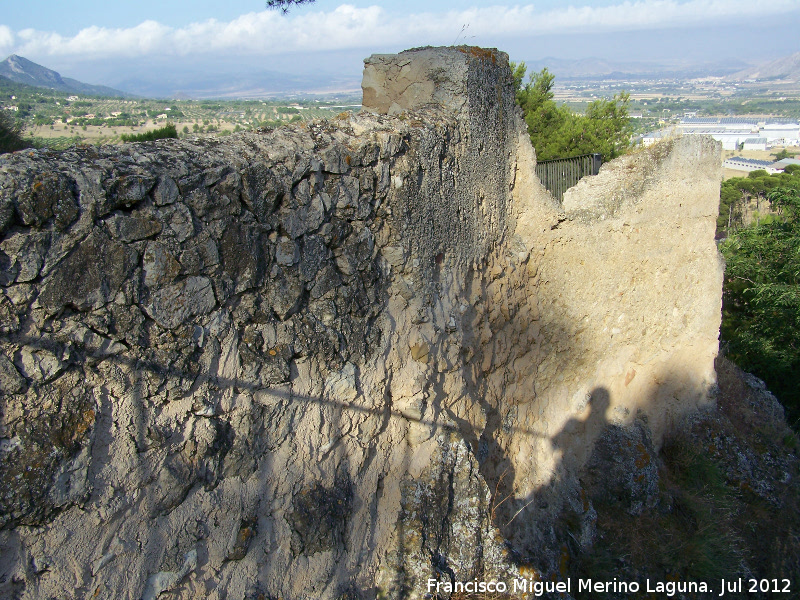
[(340, 358)]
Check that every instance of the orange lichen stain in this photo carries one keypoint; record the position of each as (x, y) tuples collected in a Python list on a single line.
[(68, 436), (478, 52), (563, 561), (273, 352), (87, 420), (529, 572), (644, 456), (584, 500)]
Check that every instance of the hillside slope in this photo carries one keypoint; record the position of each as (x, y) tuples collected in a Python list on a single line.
[(21, 70)]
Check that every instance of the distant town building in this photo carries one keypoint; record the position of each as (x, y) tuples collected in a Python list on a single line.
[(739, 163), (731, 139), (650, 138), (755, 144), (782, 164), (783, 133), (733, 132)]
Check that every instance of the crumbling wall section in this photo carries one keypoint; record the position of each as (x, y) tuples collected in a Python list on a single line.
[(612, 321)]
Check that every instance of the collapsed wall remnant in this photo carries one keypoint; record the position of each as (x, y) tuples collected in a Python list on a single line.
[(341, 358)]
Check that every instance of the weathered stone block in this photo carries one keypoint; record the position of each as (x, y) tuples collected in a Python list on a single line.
[(90, 276), (174, 304)]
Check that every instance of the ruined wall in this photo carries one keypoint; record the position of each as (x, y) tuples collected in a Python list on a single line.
[(338, 358)]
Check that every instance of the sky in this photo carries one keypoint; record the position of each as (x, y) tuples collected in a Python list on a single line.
[(120, 44)]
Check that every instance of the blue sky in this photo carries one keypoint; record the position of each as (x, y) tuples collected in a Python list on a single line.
[(70, 17), (93, 40)]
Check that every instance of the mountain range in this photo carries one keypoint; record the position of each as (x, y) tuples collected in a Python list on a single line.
[(21, 70), (223, 80), (787, 67), (598, 68)]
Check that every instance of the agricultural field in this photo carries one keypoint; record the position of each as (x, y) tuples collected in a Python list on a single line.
[(57, 120)]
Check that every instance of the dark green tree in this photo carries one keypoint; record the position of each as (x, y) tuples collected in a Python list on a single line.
[(557, 132), (761, 298), (10, 134), (734, 192), (783, 153)]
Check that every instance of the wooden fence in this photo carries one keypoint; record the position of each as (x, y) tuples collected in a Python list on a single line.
[(560, 174)]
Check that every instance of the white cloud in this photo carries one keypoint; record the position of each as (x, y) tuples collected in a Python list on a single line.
[(268, 32), (6, 39)]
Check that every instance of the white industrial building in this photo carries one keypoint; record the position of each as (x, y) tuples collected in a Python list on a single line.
[(721, 123), (733, 132), (755, 143), (784, 134), (782, 164), (732, 139), (738, 163)]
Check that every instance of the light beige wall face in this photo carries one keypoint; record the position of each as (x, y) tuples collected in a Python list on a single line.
[(620, 301)]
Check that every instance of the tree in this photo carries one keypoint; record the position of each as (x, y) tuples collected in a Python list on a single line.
[(737, 191), (761, 298), (784, 153), (557, 132), (10, 134), (285, 5)]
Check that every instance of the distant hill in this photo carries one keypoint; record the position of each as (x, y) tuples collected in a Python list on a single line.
[(21, 70), (260, 84), (787, 67), (593, 68)]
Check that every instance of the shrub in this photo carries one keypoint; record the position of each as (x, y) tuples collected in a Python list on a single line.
[(10, 134), (168, 131)]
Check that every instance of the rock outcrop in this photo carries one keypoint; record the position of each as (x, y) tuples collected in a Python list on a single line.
[(339, 359)]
